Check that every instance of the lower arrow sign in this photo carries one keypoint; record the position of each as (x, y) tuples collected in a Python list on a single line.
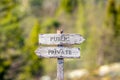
[(58, 52)]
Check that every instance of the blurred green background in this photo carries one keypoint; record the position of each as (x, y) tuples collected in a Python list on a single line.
[(98, 21)]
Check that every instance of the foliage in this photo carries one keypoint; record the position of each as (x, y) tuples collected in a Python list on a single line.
[(69, 5), (11, 38), (30, 59), (22, 20), (50, 25), (113, 23)]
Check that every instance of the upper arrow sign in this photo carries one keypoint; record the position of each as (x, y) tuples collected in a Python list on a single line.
[(54, 39)]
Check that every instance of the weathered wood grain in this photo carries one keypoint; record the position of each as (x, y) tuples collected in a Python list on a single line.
[(60, 62), (60, 69), (54, 39), (58, 52)]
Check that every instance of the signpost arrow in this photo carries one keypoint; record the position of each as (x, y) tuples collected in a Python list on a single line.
[(54, 39), (58, 52)]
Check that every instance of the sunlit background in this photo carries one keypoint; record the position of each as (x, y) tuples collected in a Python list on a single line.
[(98, 21)]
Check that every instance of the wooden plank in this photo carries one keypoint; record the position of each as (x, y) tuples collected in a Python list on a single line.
[(54, 39), (58, 52)]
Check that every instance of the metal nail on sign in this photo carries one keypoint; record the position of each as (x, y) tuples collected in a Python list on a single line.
[(54, 39), (58, 52)]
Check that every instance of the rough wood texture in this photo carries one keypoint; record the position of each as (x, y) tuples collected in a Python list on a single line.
[(58, 52), (60, 69), (54, 39), (60, 62)]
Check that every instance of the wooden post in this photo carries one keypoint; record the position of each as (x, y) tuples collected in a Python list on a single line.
[(60, 69), (60, 63)]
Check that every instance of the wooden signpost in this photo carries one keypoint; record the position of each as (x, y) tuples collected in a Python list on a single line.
[(60, 52)]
